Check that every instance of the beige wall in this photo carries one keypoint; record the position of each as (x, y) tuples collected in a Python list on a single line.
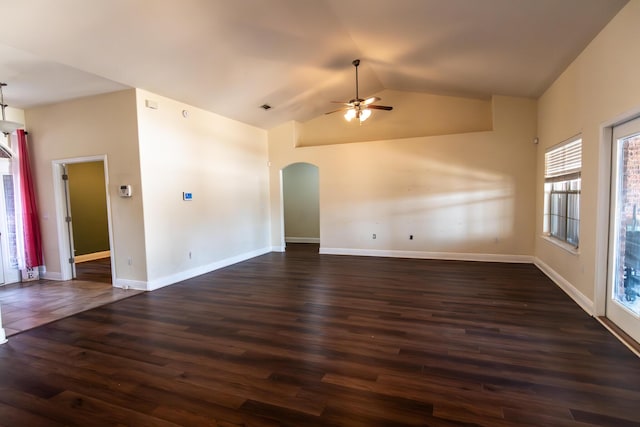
[(300, 189), (93, 126), (459, 195), (599, 88), (14, 115), (223, 163), (160, 154)]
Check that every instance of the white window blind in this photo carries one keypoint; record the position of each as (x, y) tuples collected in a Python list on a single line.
[(563, 162)]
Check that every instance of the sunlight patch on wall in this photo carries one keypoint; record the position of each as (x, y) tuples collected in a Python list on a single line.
[(444, 207)]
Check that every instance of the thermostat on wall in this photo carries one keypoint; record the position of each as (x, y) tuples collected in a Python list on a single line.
[(125, 191)]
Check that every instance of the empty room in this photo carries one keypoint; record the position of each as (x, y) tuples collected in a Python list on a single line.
[(320, 213)]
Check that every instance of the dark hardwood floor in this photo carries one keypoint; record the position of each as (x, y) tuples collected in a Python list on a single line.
[(301, 339)]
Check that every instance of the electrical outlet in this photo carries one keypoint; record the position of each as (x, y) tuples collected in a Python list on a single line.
[(189, 254), (374, 236), (129, 261), (410, 236)]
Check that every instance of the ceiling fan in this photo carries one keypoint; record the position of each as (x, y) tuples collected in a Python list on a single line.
[(359, 108)]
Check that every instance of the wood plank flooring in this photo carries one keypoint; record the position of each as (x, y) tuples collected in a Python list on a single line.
[(98, 271), (301, 339), (31, 304)]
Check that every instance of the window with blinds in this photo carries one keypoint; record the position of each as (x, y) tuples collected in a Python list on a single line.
[(562, 168), (563, 161)]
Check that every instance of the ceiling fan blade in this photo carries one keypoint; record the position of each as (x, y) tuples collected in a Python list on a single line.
[(371, 100), (339, 109), (380, 107), (340, 102)]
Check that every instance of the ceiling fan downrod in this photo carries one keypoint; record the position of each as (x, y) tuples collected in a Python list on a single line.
[(355, 63)]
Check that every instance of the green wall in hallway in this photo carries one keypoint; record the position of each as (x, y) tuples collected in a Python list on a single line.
[(88, 199)]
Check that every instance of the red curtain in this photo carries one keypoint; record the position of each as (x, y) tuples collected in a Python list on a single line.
[(31, 225)]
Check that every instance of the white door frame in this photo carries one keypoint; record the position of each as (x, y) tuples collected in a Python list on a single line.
[(283, 245), (617, 311), (603, 208), (9, 273), (64, 244)]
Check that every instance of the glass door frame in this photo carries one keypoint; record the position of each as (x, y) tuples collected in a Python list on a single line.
[(616, 311), (10, 273)]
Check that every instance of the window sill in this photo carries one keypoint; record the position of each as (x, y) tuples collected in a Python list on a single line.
[(562, 245)]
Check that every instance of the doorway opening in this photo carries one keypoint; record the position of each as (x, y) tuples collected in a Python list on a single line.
[(84, 220), (301, 204)]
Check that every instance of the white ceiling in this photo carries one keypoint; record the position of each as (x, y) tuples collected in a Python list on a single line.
[(231, 56)]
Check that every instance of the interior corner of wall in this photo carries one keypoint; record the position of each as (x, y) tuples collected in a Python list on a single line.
[(496, 100), (140, 92), (509, 109), (297, 133)]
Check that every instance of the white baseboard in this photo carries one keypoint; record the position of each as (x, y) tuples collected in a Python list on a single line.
[(91, 257), (302, 240), (585, 303), (152, 285), (52, 275), (3, 335), (130, 284), (277, 249), (525, 259), (178, 277)]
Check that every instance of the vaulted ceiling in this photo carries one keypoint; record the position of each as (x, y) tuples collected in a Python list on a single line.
[(231, 56)]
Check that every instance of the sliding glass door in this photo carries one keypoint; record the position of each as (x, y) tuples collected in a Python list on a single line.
[(623, 286)]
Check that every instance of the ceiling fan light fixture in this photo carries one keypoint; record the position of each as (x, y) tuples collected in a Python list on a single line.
[(6, 126), (350, 115), (357, 113)]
